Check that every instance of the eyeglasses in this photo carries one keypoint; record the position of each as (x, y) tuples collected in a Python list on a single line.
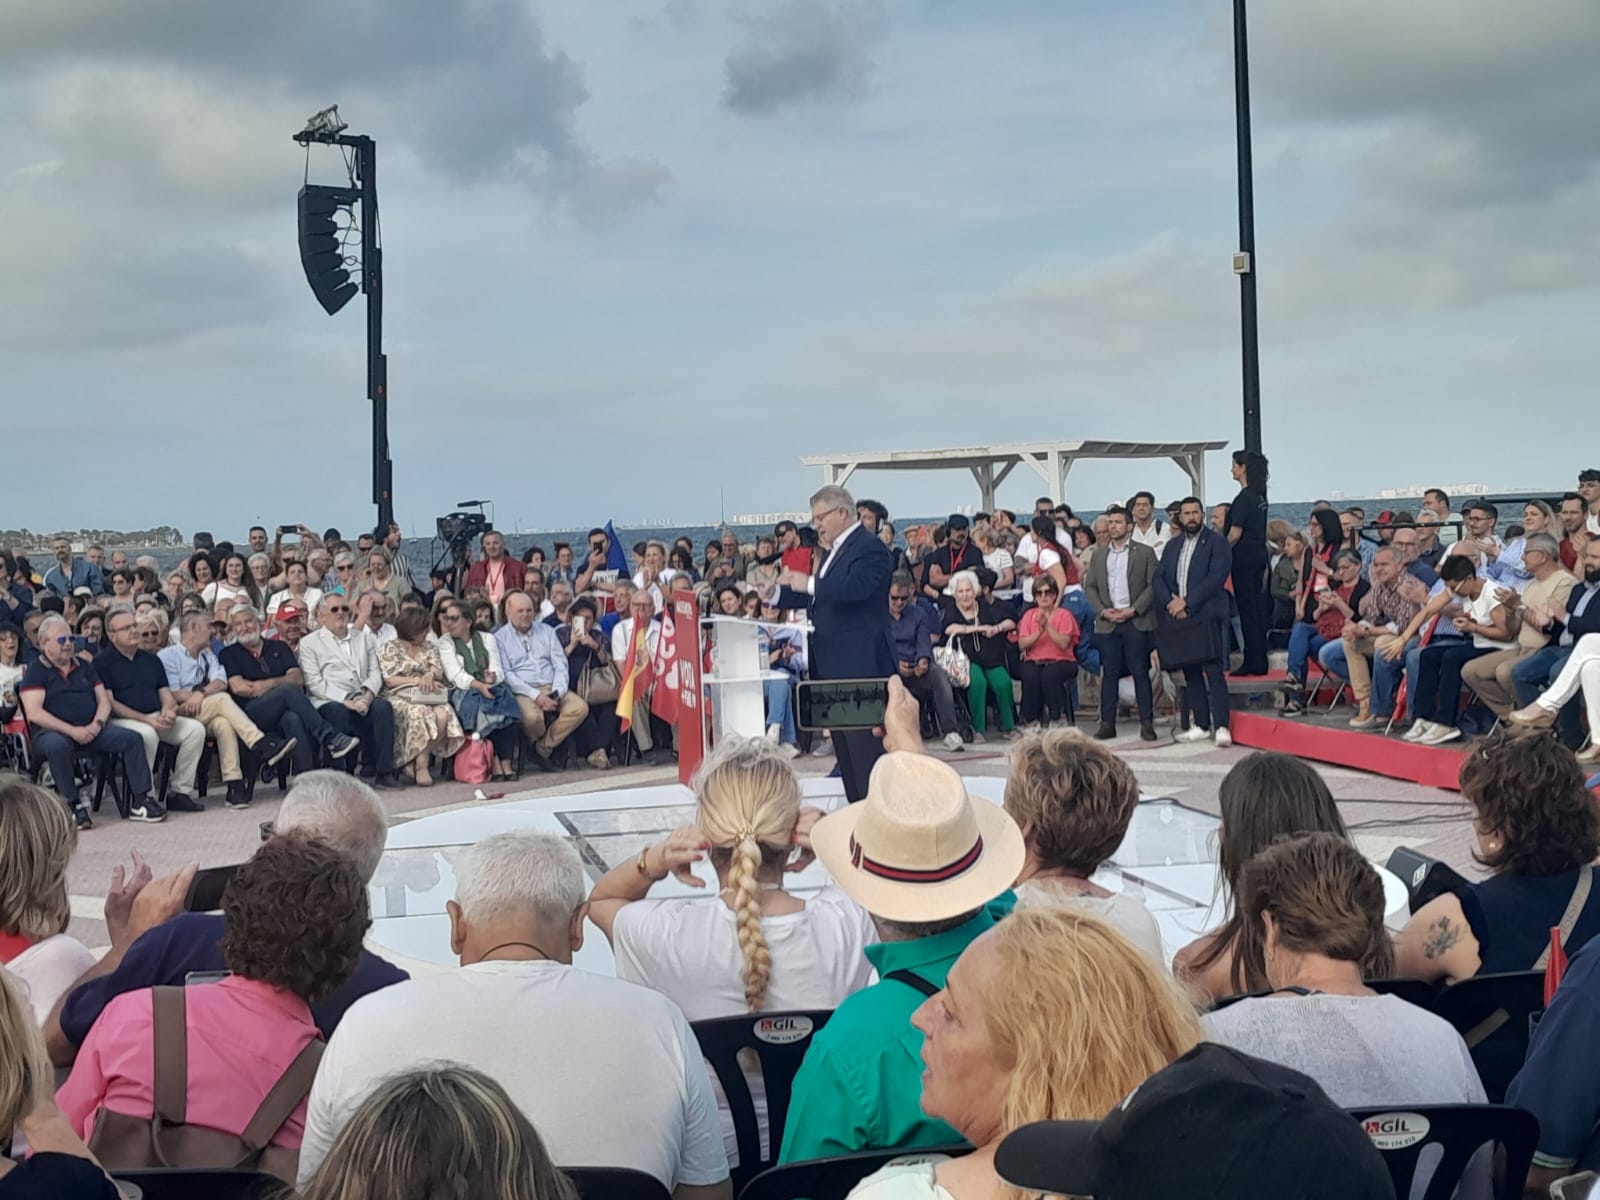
[(336, 608), (63, 641), (898, 599), (345, 567)]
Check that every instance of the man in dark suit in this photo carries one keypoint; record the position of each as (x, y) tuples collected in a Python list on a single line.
[(1192, 587), (1120, 587), (846, 601)]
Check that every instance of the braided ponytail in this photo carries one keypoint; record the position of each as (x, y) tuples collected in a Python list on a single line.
[(757, 970), (748, 802)]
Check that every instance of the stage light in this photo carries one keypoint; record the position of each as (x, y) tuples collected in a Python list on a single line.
[(322, 244)]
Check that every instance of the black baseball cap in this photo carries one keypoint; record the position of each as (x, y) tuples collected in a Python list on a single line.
[(958, 521), (1216, 1124)]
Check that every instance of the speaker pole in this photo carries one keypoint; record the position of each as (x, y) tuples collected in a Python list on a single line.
[(377, 363)]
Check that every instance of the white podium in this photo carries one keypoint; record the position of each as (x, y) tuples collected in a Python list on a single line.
[(736, 683)]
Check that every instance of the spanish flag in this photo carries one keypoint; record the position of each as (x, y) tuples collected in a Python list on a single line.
[(635, 673)]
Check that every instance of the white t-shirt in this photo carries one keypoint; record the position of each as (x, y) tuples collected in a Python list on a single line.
[(1124, 913), (1365, 1051), (1481, 609), (608, 1072), (48, 968), (1045, 557), (997, 560), (689, 950), (907, 1178)]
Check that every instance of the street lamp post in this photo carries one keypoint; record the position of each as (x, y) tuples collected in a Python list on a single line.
[(1244, 263)]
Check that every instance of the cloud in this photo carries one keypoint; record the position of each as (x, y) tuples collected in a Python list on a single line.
[(471, 89), (804, 50)]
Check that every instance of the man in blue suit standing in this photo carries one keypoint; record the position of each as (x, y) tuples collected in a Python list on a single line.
[(1192, 587), (847, 601)]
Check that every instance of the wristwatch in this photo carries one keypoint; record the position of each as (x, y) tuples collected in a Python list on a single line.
[(642, 864)]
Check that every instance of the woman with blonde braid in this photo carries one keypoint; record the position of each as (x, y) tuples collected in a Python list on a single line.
[(758, 947)]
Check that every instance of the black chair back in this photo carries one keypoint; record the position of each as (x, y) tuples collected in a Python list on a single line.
[(1491, 1012), (615, 1183), (1412, 991), (832, 1178), (1400, 1134), (180, 1183), (779, 1041)]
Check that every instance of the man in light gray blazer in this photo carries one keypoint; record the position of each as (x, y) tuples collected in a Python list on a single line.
[(1120, 586)]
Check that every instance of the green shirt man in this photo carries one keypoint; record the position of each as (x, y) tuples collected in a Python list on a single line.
[(860, 1086)]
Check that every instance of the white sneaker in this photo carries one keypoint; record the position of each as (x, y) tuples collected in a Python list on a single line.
[(953, 742), (1418, 731), (1438, 735), (1193, 734), (1224, 738), (821, 749), (789, 750), (774, 733)]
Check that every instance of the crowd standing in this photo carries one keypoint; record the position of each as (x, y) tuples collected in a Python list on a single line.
[(981, 981)]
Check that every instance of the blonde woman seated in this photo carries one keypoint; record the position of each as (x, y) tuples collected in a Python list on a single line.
[(1073, 799), (756, 947), (479, 1146), (37, 838), (1050, 1015), (1313, 927), (414, 682)]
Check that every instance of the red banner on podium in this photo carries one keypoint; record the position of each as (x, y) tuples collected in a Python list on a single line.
[(680, 692)]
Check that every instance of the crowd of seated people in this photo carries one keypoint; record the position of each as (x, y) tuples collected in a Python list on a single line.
[(980, 981)]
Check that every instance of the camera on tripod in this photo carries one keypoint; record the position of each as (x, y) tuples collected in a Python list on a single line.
[(461, 527)]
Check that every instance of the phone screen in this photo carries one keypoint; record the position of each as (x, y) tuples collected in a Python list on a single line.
[(205, 890), (842, 703)]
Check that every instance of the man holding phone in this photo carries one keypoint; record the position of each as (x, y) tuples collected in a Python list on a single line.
[(850, 620)]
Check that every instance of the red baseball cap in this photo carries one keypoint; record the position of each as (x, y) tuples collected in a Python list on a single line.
[(288, 611)]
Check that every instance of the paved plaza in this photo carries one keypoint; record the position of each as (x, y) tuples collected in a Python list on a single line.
[(1382, 813)]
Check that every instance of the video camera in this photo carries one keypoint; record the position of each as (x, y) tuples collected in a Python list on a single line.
[(461, 527)]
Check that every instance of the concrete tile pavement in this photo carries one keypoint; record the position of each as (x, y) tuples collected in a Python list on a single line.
[(1381, 813)]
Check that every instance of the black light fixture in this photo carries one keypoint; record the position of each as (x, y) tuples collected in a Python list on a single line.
[(333, 222)]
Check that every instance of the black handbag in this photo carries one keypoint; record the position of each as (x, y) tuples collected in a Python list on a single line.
[(1191, 642)]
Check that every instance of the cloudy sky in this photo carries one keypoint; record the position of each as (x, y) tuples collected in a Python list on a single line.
[(644, 253)]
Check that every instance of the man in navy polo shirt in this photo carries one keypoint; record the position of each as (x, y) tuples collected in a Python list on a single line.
[(266, 681), (158, 945), (68, 707), (142, 703)]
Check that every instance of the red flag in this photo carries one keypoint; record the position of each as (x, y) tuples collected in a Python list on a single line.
[(635, 673), (664, 702)]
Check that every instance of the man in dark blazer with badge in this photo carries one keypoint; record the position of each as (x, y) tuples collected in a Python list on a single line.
[(1191, 590), (847, 603)]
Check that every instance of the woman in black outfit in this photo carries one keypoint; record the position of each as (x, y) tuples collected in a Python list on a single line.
[(1247, 531)]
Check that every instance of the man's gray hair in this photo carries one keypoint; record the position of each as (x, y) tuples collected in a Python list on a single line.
[(509, 874), (52, 620), (147, 560), (338, 810), (1428, 517), (344, 558), (243, 607), (835, 497), (323, 599), (1389, 550), (191, 619), (1546, 543)]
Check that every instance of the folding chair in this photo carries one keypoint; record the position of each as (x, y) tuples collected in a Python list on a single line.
[(1401, 1134), (779, 1041), (180, 1183), (1492, 1013), (1412, 991), (615, 1183), (833, 1178)]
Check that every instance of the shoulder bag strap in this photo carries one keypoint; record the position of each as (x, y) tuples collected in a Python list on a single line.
[(912, 979), (292, 1087), (1575, 906), (171, 1032)]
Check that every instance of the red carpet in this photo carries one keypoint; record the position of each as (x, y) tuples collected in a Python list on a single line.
[(1432, 766)]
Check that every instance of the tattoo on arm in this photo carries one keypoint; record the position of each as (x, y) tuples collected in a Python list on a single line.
[(1441, 937)]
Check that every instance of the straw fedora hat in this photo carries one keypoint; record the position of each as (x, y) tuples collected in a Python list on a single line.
[(918, 848)]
